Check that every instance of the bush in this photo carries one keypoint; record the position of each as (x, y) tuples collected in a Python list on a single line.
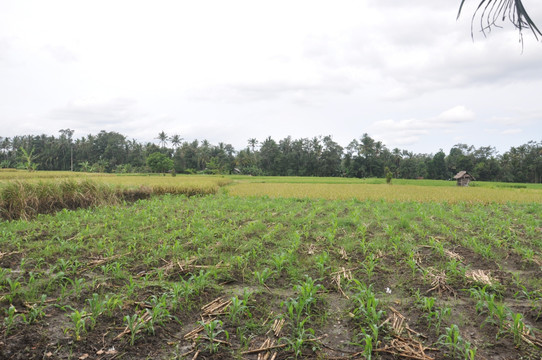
[(159, 162)]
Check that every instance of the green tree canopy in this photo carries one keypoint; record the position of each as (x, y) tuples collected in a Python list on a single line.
[(159, 162)]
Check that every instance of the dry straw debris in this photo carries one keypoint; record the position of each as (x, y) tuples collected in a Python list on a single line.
[(439, 281), (481, 276), (404, 346)]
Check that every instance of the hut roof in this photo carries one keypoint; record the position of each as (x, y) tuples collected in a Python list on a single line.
[(462, 174)]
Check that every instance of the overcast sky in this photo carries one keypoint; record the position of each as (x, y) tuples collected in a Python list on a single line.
[(405, 72)]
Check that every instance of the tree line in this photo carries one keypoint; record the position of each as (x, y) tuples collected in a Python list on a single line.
[(110, 151)]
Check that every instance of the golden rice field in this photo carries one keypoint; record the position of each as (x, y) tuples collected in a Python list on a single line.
[(452, 194), (298, 187), (159, 183), (23, 195)]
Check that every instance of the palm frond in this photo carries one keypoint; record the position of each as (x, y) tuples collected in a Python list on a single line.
[(493, 11)]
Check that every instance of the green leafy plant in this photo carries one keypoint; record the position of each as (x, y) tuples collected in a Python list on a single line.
[(368, 345), (78, 319), (263, 276), (279, 260), (28, 158), (369, 265), (134, 323), (212, 330), (238, 309), (518, 328), (158, 312), (322, 260), (9, 320), (300, 338), (452, 340), (36, 311)]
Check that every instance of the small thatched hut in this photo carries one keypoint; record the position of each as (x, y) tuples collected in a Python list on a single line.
[(463, 178)]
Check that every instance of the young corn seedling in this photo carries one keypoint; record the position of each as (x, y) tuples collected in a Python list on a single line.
[(496, 313), (238, 309), (97, 307), (443, 313), (79, 323), (180, 292), (200, 281), (321, 261), (9, 320), (411, 261), (454, 269), (369, 265), (158, 312), (535, 300), (241, 262), (469, 351), (295, 310), (117, 271), (96, 304), (500, 313), (13, 287), (78, 286), (367, 345), (32, 286), (518, 328), (4, 276), (212, 330), (262, 276), (295, 242), (134, 323), (299, 338), (63, 265), (308, 289), (299, 309), (452, 340), (428, 306), (131, 287), (279, 260), (366, 313), (112, 303), (331, 231), (36, 311)]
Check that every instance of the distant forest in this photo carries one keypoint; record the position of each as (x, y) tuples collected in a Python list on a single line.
[(319, 156)]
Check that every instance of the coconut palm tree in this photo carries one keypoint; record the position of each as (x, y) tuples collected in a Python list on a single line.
[(162, 136), (252, 142), (491, 11), (176, 140), (68, 134)]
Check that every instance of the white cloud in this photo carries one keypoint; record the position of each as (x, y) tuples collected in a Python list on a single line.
[(97, 113), (60, 53), (410, 131), (273, 89), (457, 114), (511, 131), (5, 47), (502, 120)]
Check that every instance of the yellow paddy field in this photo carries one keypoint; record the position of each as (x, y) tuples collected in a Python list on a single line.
[(385, 192), (299, 187)]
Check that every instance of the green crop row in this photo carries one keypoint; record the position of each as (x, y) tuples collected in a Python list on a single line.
[(135, 276)]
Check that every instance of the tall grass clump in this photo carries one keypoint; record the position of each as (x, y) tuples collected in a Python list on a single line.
[(25, 200)]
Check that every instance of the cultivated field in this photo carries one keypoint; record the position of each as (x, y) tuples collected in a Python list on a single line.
[(263, 268)]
